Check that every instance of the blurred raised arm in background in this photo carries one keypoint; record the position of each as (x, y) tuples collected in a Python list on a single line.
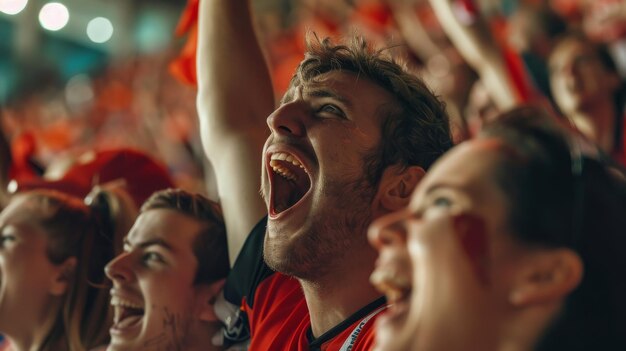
[(235, 96), (469, 32)]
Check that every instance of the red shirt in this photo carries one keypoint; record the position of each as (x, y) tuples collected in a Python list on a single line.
[(280, 321), (274, 312)]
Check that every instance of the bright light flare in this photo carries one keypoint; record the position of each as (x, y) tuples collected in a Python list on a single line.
[(54, 16), (12, 7), (100, 30)]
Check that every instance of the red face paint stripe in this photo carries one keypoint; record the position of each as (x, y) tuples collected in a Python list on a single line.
[(471, 232)]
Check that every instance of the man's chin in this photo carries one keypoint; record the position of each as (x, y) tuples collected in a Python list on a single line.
[(280, 260), (276, 260), (293, 262)]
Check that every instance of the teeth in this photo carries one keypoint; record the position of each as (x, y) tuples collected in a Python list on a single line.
[(390, 283), (117, 314), (394, 295), (116, 301), (283, 171), (283, 156)]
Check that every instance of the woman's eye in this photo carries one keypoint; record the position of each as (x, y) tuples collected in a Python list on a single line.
[(442, 202), (6, 238)]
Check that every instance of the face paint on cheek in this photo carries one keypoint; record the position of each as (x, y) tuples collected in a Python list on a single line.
[(173, 334), (471, 232)]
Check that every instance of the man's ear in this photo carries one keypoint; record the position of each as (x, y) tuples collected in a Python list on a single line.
[(62, 277), (549, 276), (396, 186), (206, 300)]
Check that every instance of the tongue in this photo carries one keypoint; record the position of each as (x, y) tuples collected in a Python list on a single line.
[(129, 321), (288, 192)]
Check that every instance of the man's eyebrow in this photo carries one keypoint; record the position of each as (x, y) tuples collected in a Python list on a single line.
[(327, 93), (317, 93), (151, 242)]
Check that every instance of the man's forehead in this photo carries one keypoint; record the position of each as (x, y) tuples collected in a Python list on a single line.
[(159, 224), (141, 233)]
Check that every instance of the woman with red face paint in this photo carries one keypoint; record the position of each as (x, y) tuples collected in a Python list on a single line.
[(512, 241)]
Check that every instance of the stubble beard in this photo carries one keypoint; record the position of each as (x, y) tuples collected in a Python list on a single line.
[(337, 231)]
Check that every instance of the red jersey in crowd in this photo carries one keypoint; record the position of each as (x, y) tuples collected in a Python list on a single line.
[(274, 312)]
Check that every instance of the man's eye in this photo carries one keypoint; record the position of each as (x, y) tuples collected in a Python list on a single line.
[(328, 108), (152, 257)]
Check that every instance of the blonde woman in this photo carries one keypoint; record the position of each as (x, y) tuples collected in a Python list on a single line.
[(53, 249)]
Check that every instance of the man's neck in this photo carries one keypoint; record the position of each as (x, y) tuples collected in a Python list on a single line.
[(200, 338), (339, 294)]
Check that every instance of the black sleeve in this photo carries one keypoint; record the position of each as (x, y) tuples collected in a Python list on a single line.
[(247, 273), (249, 269)]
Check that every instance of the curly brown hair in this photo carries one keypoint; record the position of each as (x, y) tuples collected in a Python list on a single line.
[(415, 126)]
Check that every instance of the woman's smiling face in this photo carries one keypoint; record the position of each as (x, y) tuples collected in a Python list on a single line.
[(26, 273), (443, 261)]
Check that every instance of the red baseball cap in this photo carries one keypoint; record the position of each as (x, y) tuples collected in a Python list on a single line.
[(142, 175)]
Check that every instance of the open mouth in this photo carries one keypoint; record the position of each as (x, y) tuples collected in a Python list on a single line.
[(396, 287), (290, 182), (126, 313)]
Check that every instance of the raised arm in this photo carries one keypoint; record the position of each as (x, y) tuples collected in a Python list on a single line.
[(234, 98), (475, 42), (412, 29)]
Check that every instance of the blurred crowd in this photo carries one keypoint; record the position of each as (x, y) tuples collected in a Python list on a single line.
[(133, 102), (136, 101)]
